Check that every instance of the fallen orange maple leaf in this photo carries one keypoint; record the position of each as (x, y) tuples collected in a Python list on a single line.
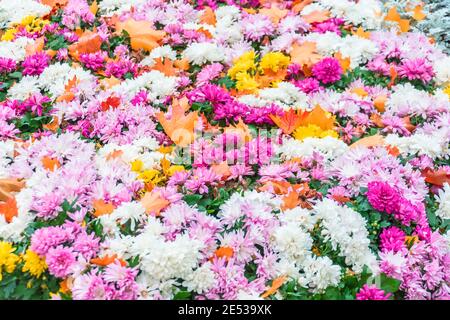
[(142, 34), (305, 54), (276, 284), (290, 120)]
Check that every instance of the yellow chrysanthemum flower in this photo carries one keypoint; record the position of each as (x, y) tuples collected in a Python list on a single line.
[(8, 259), (173, 169), (245, 82), (151, 175), (274, 61), (34, 264), (447, 91), (313, 131), (33, 24), (243, 64), (137, 165)]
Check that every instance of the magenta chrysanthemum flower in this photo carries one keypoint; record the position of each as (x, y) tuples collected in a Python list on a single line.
[(35, 64), (383, 197), (308, 85), (93, 61), (328, 70), (392, 239), (59, 261), (371, 293), (7, 65), (416, 69)]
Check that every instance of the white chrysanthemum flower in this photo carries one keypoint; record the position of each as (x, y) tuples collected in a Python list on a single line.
[(346, 231), (15, 49), (203, 52), (111, 7), (443, 198), (201, 279), (292, 241), (441, 68), (25, 88), (320, 273)]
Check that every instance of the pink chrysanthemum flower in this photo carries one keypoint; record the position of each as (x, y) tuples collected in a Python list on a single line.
[(35, 64), (416, 69), (371, 293), (45, 238), (209, 73), (256, 26), (93, 61), (59, 261), (328, 70)]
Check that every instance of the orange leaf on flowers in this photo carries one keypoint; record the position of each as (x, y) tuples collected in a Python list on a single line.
[(153, 203), (167, 67), (359, 91), (180, 127), (305, 53), (224, 252), (290, 120), (408, 125), (50, 163), (317, 16), (436, 177), (94, 7), (299, 5), (277, 187), (376, 119), (394, 16), (393, 73), (344, 62), (68, 95), (88, 42), (182, 64), (8, 186), (101, 207), (291, 200), (109, 82), (36, 46), (418, 13), (142, 34), (106, 260), (276, 284), (112, 102), (54, 3), (274, 13), (371, 141), (222, 169), (53, 125), (341, 199), (208, 16), (240, 129), (320, 118), (9, 209), (393, 150), (114, 154), (361, 33)]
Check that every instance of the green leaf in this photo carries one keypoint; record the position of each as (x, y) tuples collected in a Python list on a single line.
[(389, 284), (182, 295)]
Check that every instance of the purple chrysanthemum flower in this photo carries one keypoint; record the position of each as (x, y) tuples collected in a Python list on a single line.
[(328, 70)]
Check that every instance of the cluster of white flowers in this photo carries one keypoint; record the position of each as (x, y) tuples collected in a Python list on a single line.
[(159, 86), (434, 144), (143, 150), (200, 53), (364, 12), (162, 52), (407, 100), (443, 198), (53, 79), (13, 11), (111, 7), (319, 273), (346, 231), (329, 147), (15, 49)]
